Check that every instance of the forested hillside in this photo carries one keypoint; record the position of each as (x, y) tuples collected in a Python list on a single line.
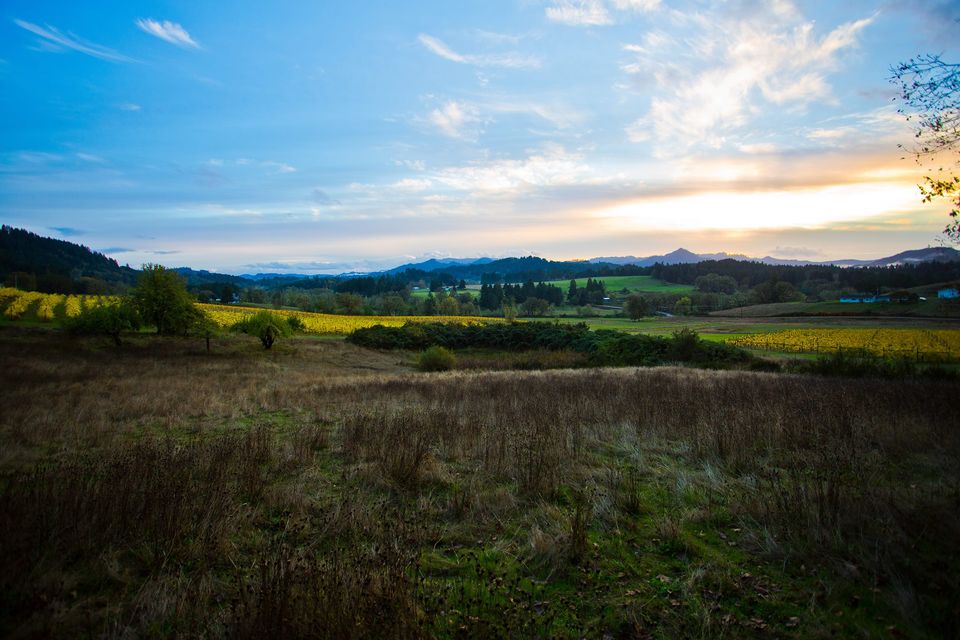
[(32, 261)]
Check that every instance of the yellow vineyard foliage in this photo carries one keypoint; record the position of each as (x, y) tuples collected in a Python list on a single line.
[(72, 306), (20, 302), (225, 316), (920, 343), (46, 306)]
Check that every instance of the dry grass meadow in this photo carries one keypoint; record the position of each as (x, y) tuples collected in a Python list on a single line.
[(323, 490)]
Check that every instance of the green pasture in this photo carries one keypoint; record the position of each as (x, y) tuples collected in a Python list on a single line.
[(642, 284)]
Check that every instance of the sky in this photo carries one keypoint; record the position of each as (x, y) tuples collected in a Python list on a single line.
[(320, 137)]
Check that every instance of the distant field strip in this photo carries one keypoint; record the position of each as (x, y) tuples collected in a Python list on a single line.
[(47, 307), (226, 316), (918, 343)]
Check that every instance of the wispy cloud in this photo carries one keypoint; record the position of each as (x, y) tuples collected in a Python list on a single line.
[(496, 37), (706, 92), (636, 5), (39, 157), (452, 119), (512, 60), (129, 106), (89, 157), (54, 40), (171, 32), (579, 13), (68, 231), (413, 184), (438, 47), (278, 167), (466, 120), (556, 114), (551, 166)]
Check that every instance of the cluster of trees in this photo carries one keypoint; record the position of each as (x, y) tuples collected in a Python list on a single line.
[(442, 303), (715, 283), (593, 292), (495, 296), (159, 300)]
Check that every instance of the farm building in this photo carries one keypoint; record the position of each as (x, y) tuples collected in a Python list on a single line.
[(948, 293)]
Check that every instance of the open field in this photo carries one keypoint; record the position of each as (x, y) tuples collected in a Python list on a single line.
[(631, 283), (326, 323), (322, 490)]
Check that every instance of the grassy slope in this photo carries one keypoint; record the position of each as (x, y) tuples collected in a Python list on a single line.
[(631, 283), (620, 515)]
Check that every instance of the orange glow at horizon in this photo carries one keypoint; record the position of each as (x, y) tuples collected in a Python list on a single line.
[(816, 207)]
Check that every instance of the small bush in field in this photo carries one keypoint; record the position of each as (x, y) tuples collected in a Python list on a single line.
[(436, 359), (269, 327)]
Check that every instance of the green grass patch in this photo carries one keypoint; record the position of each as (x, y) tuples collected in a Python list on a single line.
[(642, 284)]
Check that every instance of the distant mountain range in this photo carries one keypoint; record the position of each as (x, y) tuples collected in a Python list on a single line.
[(437, 264), (473, 268), (23, 252), (682, 256)]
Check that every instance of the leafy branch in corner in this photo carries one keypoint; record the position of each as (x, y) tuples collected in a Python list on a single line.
[(930, 98)]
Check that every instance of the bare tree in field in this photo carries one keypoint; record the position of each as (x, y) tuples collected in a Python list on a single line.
[(930, 98)]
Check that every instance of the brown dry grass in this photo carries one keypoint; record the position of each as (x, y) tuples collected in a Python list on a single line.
[(149, 489)]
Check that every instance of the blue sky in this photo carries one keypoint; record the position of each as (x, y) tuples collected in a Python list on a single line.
[(320, 137)]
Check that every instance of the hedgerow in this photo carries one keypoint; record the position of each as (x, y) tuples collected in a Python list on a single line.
[(603, 348)]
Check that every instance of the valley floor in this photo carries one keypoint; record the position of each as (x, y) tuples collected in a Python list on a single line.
[(323, 490)]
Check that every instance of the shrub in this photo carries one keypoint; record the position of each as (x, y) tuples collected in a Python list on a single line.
[(266, 326), (685, 344), (436, 359), (765, 365), (296, 324), (108, 319)]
